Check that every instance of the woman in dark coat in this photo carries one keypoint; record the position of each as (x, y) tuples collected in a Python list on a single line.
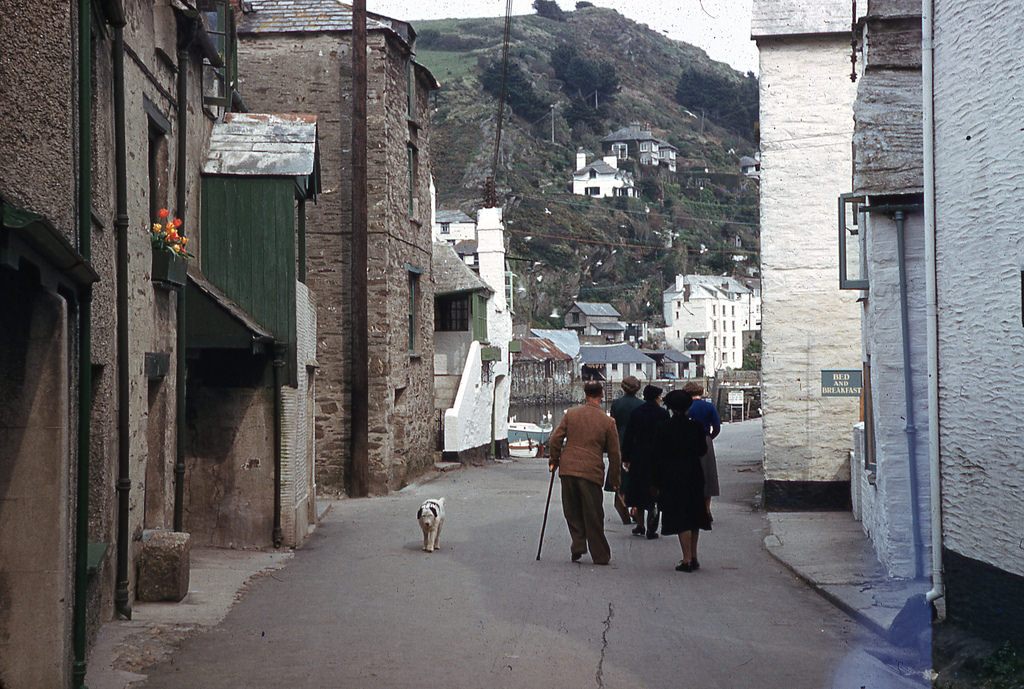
[(638, 448), (679, 479)]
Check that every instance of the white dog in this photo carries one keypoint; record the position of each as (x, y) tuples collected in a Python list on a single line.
[(431, 518)]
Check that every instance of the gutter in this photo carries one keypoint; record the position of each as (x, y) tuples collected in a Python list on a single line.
[(931, 301)]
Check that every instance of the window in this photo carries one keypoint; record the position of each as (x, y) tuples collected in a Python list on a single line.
[(219, 83), (413, 201), (713, 307), (621, 151), (594, 191), (575, 318), (480, 317), (733, 309), (645, 145), (452, 314), (410, 84), (593, 174), (414, 288), (446, 227), (638, 368), (615, 367), (158, 155)]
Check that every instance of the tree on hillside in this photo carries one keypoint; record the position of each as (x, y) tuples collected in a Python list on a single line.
[(519, 93), (549, 9), (582, 76), (730, 102)]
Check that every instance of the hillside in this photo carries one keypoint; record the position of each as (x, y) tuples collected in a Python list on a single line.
[(702, 218)]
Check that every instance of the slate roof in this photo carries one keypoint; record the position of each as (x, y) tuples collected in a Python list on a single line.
[(711, 285), (540, 349), (630, 133), (596, 309), (614, 326), (566, 340), (669, 355), (466, 246), (301, 16), (621, 353), (451, 275), (262, 145), (452, 216), (600, 167)]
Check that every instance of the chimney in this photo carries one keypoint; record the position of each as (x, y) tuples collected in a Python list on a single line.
[(612, 160), (581, 159)]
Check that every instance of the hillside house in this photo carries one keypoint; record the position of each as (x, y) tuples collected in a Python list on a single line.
[(636, 142), (751, 166), (809, 327), (611, 363), (707, 316), (453, 226), (296, 57), (602, 178), (595, 322)]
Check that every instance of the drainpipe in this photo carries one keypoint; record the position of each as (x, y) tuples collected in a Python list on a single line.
[(84, 340), (931, 301), (908, 394), (122, 603), (359, 481), (279, 352), (188, 36)]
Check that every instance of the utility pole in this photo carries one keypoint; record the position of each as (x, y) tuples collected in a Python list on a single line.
[(359, 481), (552, 123)]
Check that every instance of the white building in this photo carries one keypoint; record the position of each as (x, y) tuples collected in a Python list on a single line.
[(611, 363), (601, 178), (809, 327), (472, 332), (707, 315), (453, 226)]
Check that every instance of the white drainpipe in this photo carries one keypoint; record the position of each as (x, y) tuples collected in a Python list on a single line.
[(934, 465)]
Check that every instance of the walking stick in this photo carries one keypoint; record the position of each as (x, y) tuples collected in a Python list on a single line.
[(545, 523)]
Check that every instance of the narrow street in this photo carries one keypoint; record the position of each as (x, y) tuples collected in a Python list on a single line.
[(362, 606)]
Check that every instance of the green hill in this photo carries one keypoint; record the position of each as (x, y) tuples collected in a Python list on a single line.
[(601, 72)]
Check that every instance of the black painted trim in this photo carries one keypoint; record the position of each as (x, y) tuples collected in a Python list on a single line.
[(983, 598), (782, 496)]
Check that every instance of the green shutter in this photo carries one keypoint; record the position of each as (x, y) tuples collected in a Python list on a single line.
[(480, 317)]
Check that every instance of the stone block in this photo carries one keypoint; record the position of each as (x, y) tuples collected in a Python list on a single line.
[(164, 566)]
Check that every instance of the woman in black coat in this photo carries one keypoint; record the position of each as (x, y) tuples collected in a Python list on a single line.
[(679, 479), (638, 448)]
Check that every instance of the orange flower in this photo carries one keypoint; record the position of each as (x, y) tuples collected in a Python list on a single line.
[(173, 235), (177, 222), (163, 212), (184, 241), (177, 248), (157, 227)]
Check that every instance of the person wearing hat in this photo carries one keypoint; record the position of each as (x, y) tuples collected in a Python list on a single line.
[(679, 479), (620, 411), (638, 450), (578, 447)]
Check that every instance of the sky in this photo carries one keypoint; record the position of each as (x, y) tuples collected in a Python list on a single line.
[(720, 27)]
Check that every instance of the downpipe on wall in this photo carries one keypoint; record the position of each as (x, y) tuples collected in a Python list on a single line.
[(279, 354), (931, 303)]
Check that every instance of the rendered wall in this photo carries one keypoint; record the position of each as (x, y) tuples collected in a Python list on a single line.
[(808, 325), (980, 254)]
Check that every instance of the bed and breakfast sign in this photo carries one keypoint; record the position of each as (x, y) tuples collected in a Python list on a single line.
[(840, 383)]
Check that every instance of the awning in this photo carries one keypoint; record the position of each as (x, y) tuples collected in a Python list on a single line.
[(26, 237), (213, 321)]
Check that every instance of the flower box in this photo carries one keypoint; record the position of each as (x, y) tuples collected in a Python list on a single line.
[(169, 268)]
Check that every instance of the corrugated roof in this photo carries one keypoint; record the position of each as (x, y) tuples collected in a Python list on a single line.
[(540, 349), (566, 340), (590, 308), (451, 275), (284, 16), (621, 353), (268, 145), (452, 216)]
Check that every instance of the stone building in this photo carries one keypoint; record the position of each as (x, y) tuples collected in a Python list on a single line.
[(809, 328), (296, 57)]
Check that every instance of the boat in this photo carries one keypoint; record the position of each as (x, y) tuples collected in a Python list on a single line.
[(527, 439)]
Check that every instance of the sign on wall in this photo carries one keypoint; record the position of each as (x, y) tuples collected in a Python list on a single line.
[(840, 383), (736, 397)]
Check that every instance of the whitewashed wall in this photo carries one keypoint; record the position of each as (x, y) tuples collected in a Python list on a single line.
[(808, 324), (980, 245), (491, 250)]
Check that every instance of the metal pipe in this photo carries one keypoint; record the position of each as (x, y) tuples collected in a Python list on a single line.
[(79, 617), (279, 352), (931, 302), (908, 394), (359, 481), (122, 602)]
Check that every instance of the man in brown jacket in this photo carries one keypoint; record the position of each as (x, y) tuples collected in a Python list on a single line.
[(587, 433)]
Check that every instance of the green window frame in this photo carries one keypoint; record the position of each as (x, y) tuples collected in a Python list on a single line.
[(480, 317)]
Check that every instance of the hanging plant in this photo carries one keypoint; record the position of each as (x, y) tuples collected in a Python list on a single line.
[(166, 235)]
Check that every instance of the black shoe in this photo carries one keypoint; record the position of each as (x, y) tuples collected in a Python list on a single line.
[(652, 534), (638, 531), (695, 564), (576, 557), (684, 566)]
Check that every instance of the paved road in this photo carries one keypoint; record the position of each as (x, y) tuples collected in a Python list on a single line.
[(362, 606)]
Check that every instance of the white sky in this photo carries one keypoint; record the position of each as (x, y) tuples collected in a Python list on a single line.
[(720, 27)]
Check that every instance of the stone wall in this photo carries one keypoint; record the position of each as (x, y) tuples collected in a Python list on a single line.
[(808, 323), (311, 73)]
